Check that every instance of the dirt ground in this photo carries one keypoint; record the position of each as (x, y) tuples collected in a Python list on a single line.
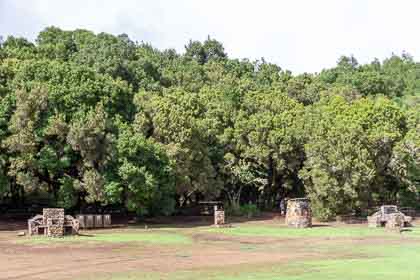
[(68, 260)]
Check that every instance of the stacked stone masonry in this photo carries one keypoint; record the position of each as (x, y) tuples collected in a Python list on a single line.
[(219, 216), (53, 223), (299, 213)]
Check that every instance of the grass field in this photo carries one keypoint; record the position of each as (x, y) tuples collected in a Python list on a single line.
[(262, 250)]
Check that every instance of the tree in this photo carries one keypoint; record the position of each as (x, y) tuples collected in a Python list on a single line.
[(204, 52), (174, 121), (22, 143), (145, 181), (90, 137), (268, 133), (349, 151), (95, 119)]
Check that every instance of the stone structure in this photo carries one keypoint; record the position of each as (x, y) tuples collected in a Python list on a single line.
[(107, 220), (99, 221), (219, 216), (53, 223), (299, 213), (89, 221), (388, 216), (94, 221), (395, 221)]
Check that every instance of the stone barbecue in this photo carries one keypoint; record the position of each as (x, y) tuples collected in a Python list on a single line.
[(219, 216), (388, 216), (53, 223), (299, 213)]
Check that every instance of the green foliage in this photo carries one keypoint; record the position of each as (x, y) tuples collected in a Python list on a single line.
[(174, 120), (67, 194), (247, 210), (349, 152), (144, 175), (204, 52), (97, 118)]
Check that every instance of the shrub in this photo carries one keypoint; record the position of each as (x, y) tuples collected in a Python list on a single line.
[(247, 210)]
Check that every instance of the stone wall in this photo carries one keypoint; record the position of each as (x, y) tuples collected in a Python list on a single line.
[(90, 221), (54, 219), (374, 221), (55, 227), (299, 213), (99, 221), (395, 221), (53, 213), (107, 220)]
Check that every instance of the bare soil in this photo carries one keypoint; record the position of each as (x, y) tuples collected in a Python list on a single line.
[(65, 260)]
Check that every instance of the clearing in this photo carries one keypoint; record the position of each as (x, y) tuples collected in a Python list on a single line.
[(262, 250)]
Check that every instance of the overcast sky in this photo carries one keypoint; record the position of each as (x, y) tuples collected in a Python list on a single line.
[(299, 35)]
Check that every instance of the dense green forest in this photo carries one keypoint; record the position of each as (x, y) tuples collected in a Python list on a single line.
[(99, 119)]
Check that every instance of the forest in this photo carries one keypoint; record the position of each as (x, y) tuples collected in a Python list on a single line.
[(97, 119)]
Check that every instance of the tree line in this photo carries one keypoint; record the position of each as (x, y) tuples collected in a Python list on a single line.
[(100, 119)]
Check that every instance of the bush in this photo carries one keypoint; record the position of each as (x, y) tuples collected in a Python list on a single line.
[(247, 210)]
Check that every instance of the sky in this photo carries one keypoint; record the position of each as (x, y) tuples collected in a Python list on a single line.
[(298, 35)]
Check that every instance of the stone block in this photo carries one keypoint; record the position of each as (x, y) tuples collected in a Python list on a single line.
[(99, 221), (107, 220), (219, 217), (90, 221), (52, 213)]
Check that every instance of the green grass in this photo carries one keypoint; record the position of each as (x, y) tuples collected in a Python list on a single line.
[(337, 261), (394, 262), (324, 232), (323, 254), (152, 237)]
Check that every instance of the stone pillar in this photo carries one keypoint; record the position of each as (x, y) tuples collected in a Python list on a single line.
[(219, 216), (299, 213), (54, 220)]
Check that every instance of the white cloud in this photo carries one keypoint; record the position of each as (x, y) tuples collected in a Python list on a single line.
[(301, 35)]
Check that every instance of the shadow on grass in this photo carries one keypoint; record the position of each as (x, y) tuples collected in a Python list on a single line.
[(85, 235), (320, 225)]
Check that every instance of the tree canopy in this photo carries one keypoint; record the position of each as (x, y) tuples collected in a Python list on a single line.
[(100, 119)]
